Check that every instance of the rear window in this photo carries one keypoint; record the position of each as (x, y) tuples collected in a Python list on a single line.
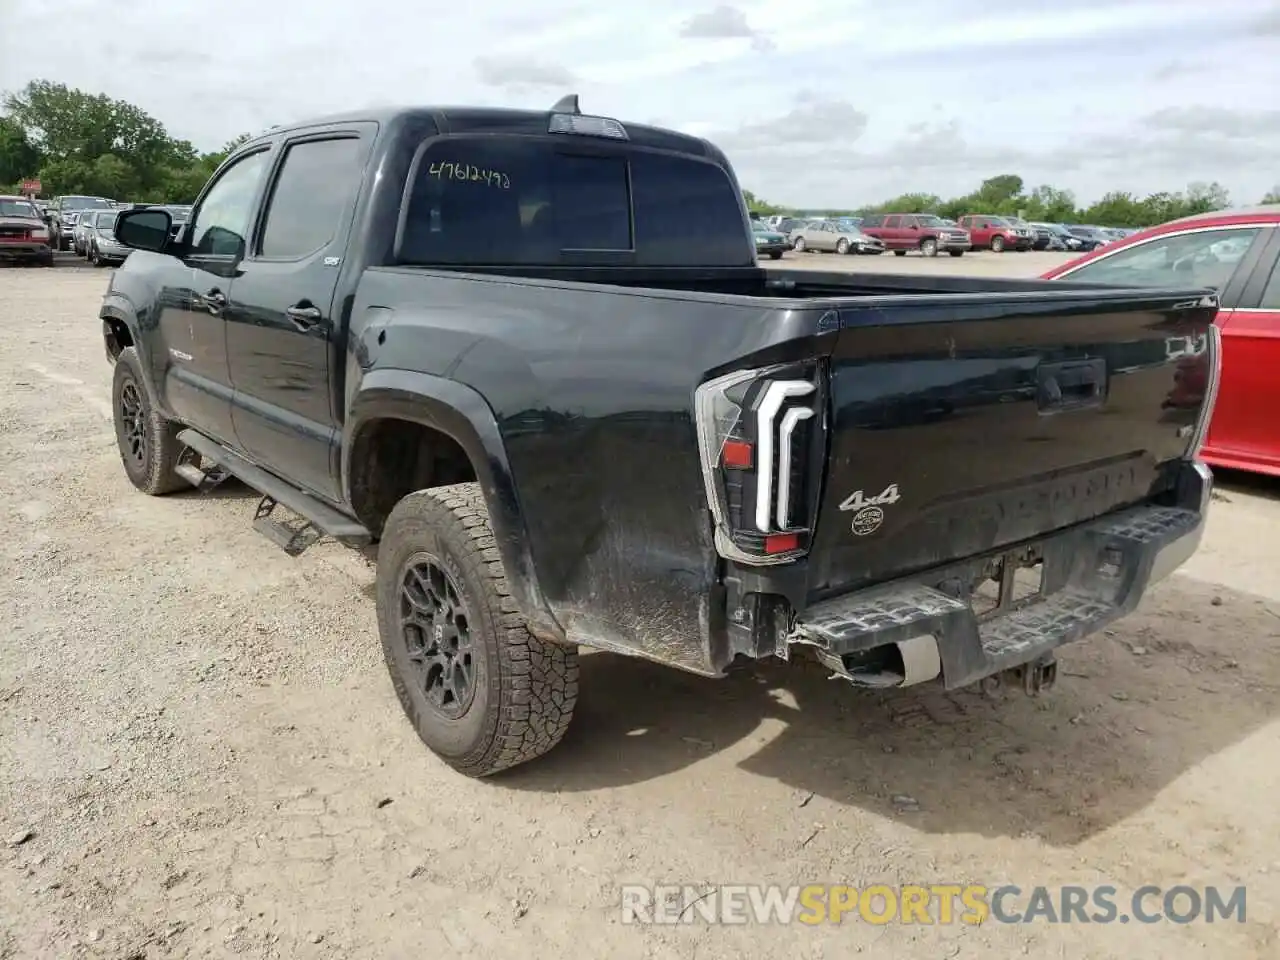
[(504, 200)]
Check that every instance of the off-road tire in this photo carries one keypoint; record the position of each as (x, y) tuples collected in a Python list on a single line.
[(153, 473), (525, 688)]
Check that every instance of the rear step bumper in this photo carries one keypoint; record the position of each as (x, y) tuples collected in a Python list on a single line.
[(1091, 574)]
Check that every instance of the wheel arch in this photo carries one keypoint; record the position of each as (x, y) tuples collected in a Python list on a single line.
[(119, 330), (407, 431)]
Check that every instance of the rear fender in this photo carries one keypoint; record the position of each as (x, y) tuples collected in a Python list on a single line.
[(462, 414)]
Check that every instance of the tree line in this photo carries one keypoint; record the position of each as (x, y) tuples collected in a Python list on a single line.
[(1007, 195), (85, 143), (79, 142)]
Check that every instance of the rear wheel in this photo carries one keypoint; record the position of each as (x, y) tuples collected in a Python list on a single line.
[(929, 247), (997, 244), (481, 691), (899, 253), (776, 255), (956, 253), (149, 445)]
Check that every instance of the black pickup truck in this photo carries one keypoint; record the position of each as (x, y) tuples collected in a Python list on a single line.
[(532, 356)]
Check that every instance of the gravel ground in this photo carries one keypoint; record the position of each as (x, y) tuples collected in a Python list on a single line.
[(202, 755)]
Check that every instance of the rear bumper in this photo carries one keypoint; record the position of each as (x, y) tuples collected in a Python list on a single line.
[(25, 250), (1092, 574)]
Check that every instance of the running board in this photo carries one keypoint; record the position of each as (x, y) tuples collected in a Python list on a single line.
[(320, 519)]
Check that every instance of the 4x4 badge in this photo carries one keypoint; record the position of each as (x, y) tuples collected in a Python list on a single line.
[(868, 512)]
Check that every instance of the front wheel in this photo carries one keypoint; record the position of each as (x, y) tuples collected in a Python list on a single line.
[(842, 246), (149, 445), (481, 691), (776, 255), (929, 247), (956, 253)]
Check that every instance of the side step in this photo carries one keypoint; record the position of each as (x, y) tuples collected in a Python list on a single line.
[(320, 519)]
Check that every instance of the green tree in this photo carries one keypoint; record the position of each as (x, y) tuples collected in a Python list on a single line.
[(1272, 195), (19, 157)]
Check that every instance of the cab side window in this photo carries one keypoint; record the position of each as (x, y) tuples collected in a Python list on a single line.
[(221, 222), (311, 195)]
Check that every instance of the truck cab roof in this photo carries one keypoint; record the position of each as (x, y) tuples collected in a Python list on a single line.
[(463, 119)]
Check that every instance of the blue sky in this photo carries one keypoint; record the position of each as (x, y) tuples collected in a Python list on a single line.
[(817, 103)]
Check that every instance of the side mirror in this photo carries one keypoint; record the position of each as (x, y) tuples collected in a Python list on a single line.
[(144, 229)]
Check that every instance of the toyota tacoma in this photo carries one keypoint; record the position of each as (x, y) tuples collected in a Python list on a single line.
[(531, 355)]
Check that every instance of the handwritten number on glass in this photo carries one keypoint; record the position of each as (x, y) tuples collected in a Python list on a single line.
[(470, 172)]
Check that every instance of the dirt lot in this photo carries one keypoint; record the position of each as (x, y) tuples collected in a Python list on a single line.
[(202, 755)]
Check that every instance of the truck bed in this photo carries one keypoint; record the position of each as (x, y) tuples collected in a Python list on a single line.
[(996, 412)]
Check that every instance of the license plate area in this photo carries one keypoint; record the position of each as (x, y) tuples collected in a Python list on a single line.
[(1006, 582)]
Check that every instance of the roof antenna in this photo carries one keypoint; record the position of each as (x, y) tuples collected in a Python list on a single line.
[(567, 104)]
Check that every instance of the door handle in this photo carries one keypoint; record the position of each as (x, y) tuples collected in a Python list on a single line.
[(214, 300), (304, 318), (1071, 385)]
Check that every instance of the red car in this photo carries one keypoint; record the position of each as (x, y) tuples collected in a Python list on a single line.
[(1237, 253), (996, 233)]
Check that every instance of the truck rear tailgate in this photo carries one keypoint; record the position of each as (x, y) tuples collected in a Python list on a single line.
[(959, 425)]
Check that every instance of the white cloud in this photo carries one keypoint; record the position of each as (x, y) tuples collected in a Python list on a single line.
[(815, 103)]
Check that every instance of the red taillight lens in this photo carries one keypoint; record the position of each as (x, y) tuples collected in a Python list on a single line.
[(736, 454), (781, 542)]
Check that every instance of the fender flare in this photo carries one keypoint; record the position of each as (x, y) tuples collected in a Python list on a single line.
[(461, 413), (118, 308)]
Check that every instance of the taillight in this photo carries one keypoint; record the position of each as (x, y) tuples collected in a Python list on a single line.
[(758, 431), (1211, 356)]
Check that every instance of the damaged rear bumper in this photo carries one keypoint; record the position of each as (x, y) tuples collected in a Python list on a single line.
[(916, 629)]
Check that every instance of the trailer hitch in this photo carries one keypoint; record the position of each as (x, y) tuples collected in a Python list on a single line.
[(1035, 678)]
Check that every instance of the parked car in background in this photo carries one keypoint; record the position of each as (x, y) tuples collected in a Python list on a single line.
[(1039, 236), (901, 232), (826, 236), (24, 235), (102, 249), (769, 243), (65, 211), (1060, 238), (788, 224), (1091, 238), (997, 234), (1237, 253)]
